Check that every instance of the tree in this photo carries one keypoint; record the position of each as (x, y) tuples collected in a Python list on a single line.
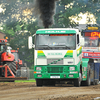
[(73, 8), (16, 10)]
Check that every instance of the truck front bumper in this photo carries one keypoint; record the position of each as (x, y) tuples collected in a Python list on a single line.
[(56, 75)]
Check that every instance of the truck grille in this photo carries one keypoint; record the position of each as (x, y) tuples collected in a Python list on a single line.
[(55, 61), (55, 69)]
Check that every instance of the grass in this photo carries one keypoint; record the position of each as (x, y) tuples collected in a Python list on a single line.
[(18, 81)]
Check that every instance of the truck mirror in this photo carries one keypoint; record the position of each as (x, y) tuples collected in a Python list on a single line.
[(30, 44), (82, 42)]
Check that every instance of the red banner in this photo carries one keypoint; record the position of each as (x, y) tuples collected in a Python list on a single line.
[(91, 54)]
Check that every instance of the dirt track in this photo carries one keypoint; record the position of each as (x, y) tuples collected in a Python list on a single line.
[(29, 91)]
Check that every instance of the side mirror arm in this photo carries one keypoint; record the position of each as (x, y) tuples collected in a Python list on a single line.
[(30, 44)]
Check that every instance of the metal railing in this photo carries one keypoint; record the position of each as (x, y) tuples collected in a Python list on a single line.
[(25, 72)]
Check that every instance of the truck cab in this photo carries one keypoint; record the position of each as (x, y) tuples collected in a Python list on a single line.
[(91, 51), (92, 39), (58, 56)]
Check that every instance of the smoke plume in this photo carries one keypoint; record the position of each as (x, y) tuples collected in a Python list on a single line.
[(45, 9)]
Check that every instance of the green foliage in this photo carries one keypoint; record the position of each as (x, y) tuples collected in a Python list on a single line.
[(14, 10), (73, 8), (62, 17), (64, 2), (32, 67)]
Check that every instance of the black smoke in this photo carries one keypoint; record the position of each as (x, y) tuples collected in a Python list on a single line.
[(46, 10)]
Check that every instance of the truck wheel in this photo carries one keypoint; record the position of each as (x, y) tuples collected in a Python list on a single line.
[(77, 82), (88, 81), (39, 82)]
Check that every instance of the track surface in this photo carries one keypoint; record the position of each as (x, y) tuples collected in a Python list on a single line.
[(29, 91)]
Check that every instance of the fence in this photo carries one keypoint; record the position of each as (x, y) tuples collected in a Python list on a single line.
[(25, 72)]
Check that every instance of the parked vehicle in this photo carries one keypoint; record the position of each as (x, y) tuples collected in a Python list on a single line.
[(91, 51)]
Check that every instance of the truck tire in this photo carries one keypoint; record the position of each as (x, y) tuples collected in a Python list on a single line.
[(77, 82), (39, 82), (88, 81)]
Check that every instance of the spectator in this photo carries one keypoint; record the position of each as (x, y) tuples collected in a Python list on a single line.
[(91, 43)]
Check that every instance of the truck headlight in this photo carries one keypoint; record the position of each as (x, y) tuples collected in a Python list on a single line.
[(38, 68), (71, 68)]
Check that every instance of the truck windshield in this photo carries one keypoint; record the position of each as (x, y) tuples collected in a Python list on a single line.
[(55, 41), (91, 42)]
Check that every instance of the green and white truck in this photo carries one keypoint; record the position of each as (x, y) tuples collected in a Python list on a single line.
[(58, 57)]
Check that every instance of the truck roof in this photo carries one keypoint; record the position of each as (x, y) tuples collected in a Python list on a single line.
[(57, 31)]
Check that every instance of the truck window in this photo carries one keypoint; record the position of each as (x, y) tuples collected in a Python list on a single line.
[(77, 38), (56, 41), (91, 42)]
